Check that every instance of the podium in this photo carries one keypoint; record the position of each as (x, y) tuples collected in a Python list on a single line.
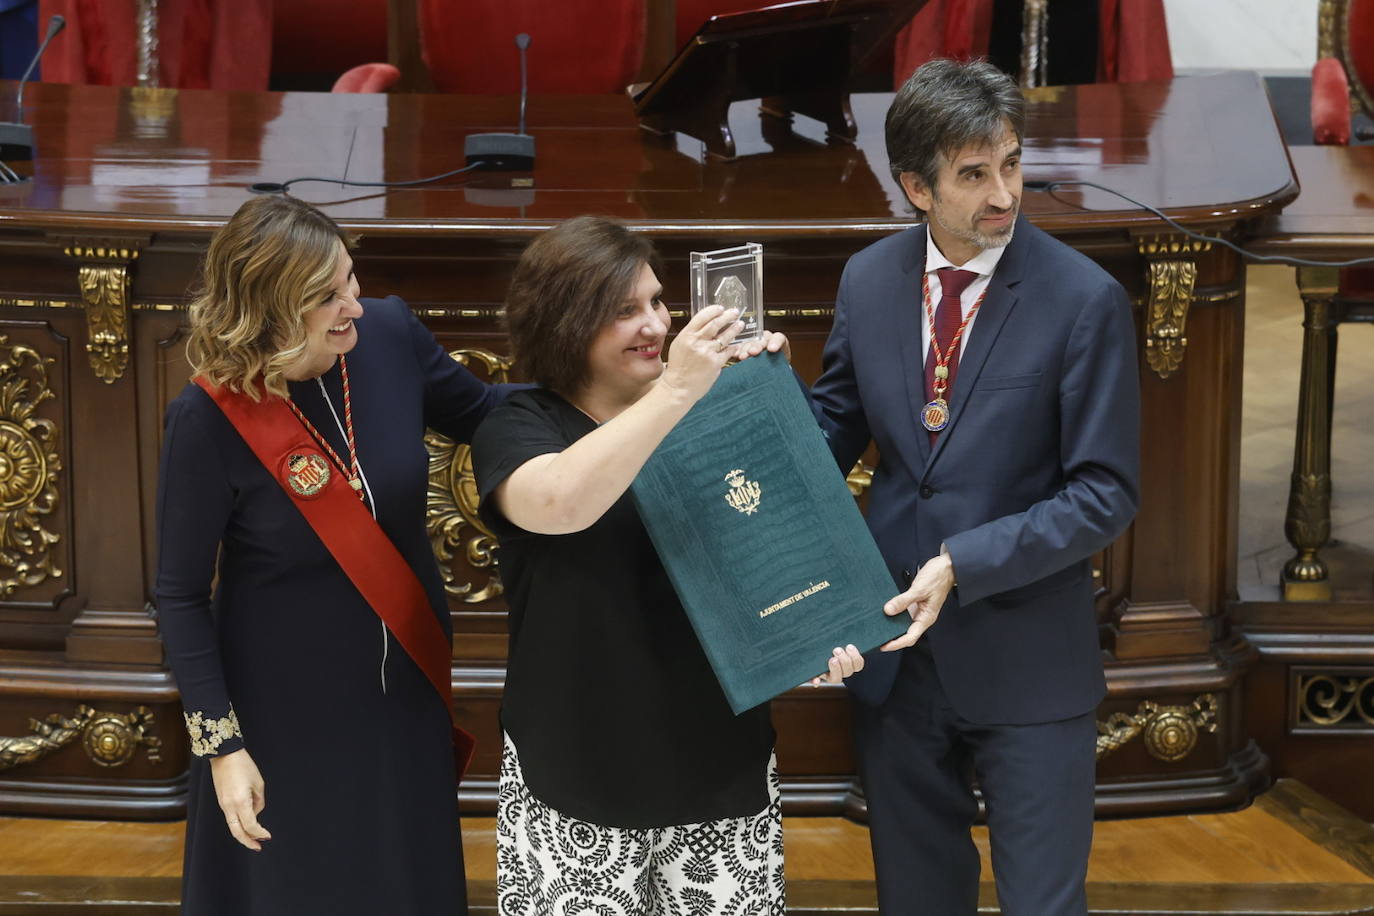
[(796, 57)]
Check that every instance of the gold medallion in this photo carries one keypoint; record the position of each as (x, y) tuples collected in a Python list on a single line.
[(935, 415), (306, 473)]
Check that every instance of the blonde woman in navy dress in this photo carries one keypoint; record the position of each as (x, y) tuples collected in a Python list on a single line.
[(628, 788), (289, 679)]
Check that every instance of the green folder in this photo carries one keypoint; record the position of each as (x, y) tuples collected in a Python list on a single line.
[(761, 537)]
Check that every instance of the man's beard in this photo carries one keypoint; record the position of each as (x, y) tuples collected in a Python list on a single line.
[(981, 240)]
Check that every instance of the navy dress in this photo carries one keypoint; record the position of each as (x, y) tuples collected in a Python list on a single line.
[(285, 658)]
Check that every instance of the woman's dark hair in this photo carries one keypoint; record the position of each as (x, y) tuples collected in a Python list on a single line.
[(569, 283)]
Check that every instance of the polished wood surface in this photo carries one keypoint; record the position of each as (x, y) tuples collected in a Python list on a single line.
[(1204, 148), (1291, 852), (129, 184), (1333, 217)]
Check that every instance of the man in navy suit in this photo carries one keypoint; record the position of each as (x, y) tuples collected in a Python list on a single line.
[(995, 369)]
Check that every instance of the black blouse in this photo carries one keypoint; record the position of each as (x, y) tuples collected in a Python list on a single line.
[(609, 699)]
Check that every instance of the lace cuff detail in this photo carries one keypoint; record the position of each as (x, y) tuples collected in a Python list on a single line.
[(208, 734)]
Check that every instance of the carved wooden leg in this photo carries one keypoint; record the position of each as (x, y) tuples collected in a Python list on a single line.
[(1308, 522)]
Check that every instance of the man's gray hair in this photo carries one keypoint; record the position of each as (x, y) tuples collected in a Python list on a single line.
[(944, 107)]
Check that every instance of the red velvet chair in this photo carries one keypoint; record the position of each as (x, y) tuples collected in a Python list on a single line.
[(576, 46), (313, 42), (1133, 40), (1342, 83), (1343, 78)]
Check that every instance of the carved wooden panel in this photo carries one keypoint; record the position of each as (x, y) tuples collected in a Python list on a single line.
[(36, 503)]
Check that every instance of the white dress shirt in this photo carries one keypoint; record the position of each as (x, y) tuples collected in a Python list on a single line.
[(983, 265)]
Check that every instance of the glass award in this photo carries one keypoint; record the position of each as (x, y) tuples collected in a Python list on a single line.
[(731, 278)]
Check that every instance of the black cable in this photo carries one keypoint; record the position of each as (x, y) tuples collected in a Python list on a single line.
[(272, 187), (1051, 186), (9, 175)]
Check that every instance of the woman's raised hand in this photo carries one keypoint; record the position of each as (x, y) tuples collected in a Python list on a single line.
[(241, 795), (770, 341), (701, 350)]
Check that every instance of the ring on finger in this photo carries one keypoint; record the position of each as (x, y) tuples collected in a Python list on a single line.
[(720, 346)]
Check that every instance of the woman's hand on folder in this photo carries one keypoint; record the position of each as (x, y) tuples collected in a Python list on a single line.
[(842, 663), (771, 341)]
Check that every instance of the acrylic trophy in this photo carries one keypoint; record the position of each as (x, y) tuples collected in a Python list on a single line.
[(731, 278)]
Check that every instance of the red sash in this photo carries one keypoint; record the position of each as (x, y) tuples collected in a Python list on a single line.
[(350, 533)]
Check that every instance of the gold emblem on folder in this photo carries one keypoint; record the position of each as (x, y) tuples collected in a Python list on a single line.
[(743, 495)]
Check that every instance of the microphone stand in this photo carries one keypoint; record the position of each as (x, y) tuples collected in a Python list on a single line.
[(505, 152), (16, 137)]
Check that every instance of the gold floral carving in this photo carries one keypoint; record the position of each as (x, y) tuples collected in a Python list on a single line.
[(1336, 700), (29, 467), (1172, 274), (109, 739), (1169, 732), (1308, 525), (208, 734), (451, 510), (105, 288), (105, 281), (859, 478)]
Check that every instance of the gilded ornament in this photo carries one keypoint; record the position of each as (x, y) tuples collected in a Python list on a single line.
[(1336, 700), (105, 280), (105, 289), (29, 467), (148, 66), (109, 739), (1171, 276), (859, 478), (1170, 732), (451, 512)]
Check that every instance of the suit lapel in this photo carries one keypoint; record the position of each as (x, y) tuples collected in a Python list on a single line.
[(992, 315), (907, 318)]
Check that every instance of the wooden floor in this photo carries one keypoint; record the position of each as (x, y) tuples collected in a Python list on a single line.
[(1290, 853)]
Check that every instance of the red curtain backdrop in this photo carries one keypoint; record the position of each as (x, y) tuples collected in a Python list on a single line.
[(1134, 40), (576, 46), (202, 44)]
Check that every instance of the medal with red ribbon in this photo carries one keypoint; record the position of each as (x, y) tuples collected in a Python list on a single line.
[(303, 469), (935, 415)]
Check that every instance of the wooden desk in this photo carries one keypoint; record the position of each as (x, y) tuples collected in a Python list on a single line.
[(97, 253), (1308, 699)]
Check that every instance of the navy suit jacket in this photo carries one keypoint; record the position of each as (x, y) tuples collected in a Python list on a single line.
[(1037, 470)]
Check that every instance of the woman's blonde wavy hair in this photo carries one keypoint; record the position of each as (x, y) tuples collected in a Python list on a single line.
[(266, 268)]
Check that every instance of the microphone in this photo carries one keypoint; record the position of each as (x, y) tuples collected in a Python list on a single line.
[(505, 152), (522, 41), (16, 137)]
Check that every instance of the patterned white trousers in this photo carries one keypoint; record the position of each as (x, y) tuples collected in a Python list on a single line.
[(549, 864)]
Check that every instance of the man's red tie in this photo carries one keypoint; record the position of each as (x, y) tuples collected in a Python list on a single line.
[(948, 316)]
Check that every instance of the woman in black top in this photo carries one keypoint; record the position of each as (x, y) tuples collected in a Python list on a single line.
[(627, 786), (289, 679)]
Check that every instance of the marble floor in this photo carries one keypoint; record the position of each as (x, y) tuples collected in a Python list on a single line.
[(1273, 346)]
